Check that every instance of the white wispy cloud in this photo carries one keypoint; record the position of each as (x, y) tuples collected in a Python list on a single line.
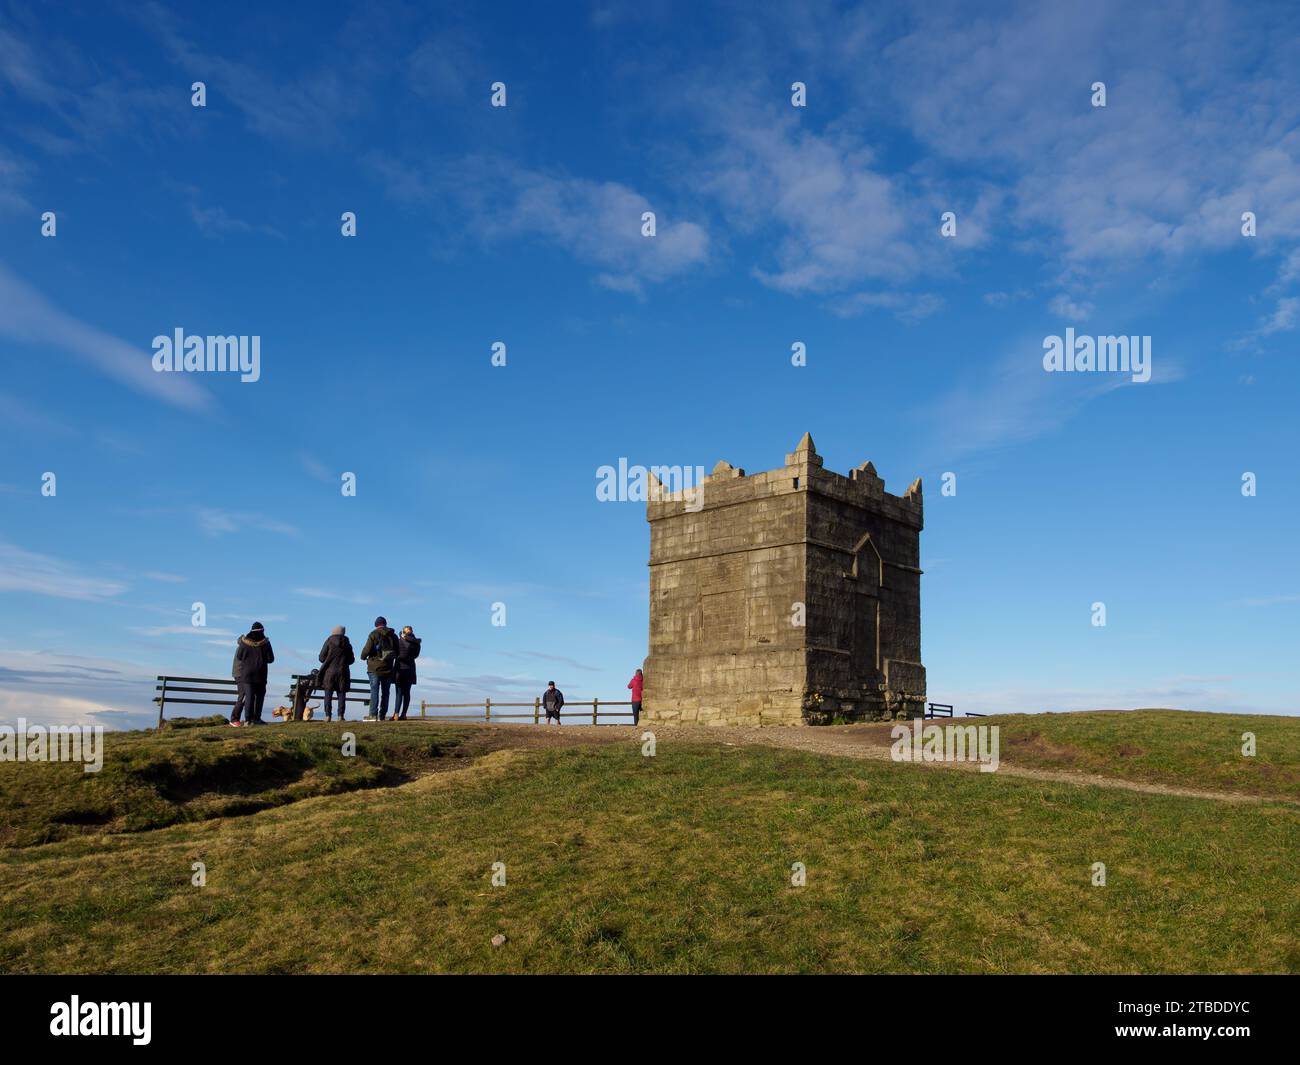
[(49, 686), (327, 593), (1005, 299), (216, 221), (906, 306), (308, 107), (1284, 317), (214, 521), (50, 708), (38, 574), (1200, 126), (840, 218), (598, 222), (1271, 600), (82, 104), (182, 630), (558, 659), (14, 174), (316, 468), (1121, 182), (1011, 399), (30, 318), (1067, 308), (24, 413), (443, 65)]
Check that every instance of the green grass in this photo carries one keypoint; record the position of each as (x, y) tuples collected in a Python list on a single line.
[(200, 768), (1175, 747), (678, 863)]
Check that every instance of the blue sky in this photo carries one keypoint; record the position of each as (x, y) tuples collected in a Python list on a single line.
[(522, 224)]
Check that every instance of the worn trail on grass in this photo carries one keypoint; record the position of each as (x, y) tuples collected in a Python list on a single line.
[(870, 742)]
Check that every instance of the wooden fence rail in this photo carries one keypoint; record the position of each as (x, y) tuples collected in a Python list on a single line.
[(167, 688), (490, 711), (946, 710)]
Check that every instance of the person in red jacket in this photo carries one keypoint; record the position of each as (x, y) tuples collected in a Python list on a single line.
[(636, 684)]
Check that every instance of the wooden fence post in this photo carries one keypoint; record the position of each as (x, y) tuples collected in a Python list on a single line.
[(537, 710), (162, 700), (487, 709), (594, 704), (422, 708)]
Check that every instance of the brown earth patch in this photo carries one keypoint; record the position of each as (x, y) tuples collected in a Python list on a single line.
[(1036, 744)]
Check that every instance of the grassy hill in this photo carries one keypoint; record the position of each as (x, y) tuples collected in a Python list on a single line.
[(195, 769), (620, 863), (1175, 747)]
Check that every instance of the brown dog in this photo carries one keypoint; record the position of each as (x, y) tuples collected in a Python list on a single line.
[(286, 712)]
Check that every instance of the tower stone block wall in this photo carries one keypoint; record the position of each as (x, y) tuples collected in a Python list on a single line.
[(787, 597)]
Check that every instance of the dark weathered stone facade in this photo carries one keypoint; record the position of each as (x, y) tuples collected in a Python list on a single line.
[(785, 598)]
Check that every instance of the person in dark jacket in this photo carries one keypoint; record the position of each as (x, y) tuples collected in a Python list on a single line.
[(252, 655), (408, 650), (552, 701), (336, 658), (380, 653)]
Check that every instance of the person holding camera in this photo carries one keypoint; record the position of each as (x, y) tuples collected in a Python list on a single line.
[(408, 650)]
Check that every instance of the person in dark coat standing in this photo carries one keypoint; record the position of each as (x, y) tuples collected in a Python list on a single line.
[(380, 653), (408, 650), (637, 683), (336, 658), (552, 702), (252, 655)]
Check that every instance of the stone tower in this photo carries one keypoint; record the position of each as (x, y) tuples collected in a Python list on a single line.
[(784, 598)]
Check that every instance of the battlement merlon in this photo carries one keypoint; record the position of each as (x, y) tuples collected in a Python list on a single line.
[(803, 471)]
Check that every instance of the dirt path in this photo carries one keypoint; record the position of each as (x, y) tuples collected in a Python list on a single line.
[(844, 741)]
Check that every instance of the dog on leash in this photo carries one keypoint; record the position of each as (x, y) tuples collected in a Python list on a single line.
[(286, 712)]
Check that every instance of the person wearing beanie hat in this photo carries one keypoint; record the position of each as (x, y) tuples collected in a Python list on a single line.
[(336, 659), (552, 702), (380, 653), (252, 655)]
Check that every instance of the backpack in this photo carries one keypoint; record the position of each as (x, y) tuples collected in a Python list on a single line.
[(386, 648)]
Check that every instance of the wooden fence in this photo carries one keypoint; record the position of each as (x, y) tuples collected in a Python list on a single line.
[(490, 711), (946, 710)]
